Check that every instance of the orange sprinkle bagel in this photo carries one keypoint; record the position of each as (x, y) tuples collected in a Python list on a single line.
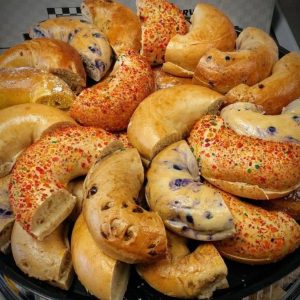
[(37, 188), (110, 103), (242, 165)]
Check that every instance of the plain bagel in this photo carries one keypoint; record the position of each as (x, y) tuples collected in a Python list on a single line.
[(37, 188), (120, 227), (21, 125), (167, 116), (274, 92), (210, 28), (256, 53), (242, 165)]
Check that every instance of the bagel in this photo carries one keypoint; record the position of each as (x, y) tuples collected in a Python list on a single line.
[(6, 215), (210, 28), (160, 21), (261, 237), (242, 165), (274, 92), (110, 103), (186, 274), (21, 125), (121, 228), (256, 53), (39, 179), (51, 55), (186, 205), (101, 275), (86, 38), (121, 26), (49, 260), (75, 187), (30, 85), (247, 119), (168, 115)]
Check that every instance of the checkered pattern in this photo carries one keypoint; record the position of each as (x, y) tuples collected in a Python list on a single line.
[(54, 12)]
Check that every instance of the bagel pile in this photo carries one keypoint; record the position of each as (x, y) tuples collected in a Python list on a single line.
[(181, 132)]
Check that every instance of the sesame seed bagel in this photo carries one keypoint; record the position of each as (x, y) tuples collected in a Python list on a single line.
[(210, 28), (187, 206), (261, 236), (86, 38), (242, 165), (274, 92), (23, 124), (122, 229), (110, 103), (37, 189), (186, 274), (256, 53)]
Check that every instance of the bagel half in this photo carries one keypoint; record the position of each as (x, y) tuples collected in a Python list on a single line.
[(256, 53), (242, 165), (185, 274), (274, 92), (168, 115), (121, 228)]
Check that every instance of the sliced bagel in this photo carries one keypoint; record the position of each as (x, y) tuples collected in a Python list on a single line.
[(120, 227), (167, 116), (185, 274), (186, 205)]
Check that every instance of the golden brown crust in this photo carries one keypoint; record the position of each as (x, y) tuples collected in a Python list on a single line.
[(252, 62), (274, 92)]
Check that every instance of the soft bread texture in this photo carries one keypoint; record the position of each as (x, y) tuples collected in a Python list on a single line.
[(187, 206), (168, 115), (75, 187), (49, 260), (261, 236), (31, 85), (6, 215), (247, 119), (51, 55), (120, 227), (121, 26), (242, 165), (274, 92), (23, 124), (210, 28), (110, 103), (160, 21), (186, 274), (86, 38), (101, 275), (37, 190), (256, 53)]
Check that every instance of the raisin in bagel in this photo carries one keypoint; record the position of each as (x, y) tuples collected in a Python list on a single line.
[(160, 21), (110, 103), (49, 260), (210, 28), (274, 92), (86, 38), (242, 165), (51, 55), (121, 26), (120, 227), (256, 53), (101, 275), (186, 205), (261, 236), (37, 189), (167, 116), (31, 85), (21, 125), (186, 274)]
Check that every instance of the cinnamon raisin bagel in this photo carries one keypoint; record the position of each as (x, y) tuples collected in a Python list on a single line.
[(256, 53), (38, 183), (242, 165)]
